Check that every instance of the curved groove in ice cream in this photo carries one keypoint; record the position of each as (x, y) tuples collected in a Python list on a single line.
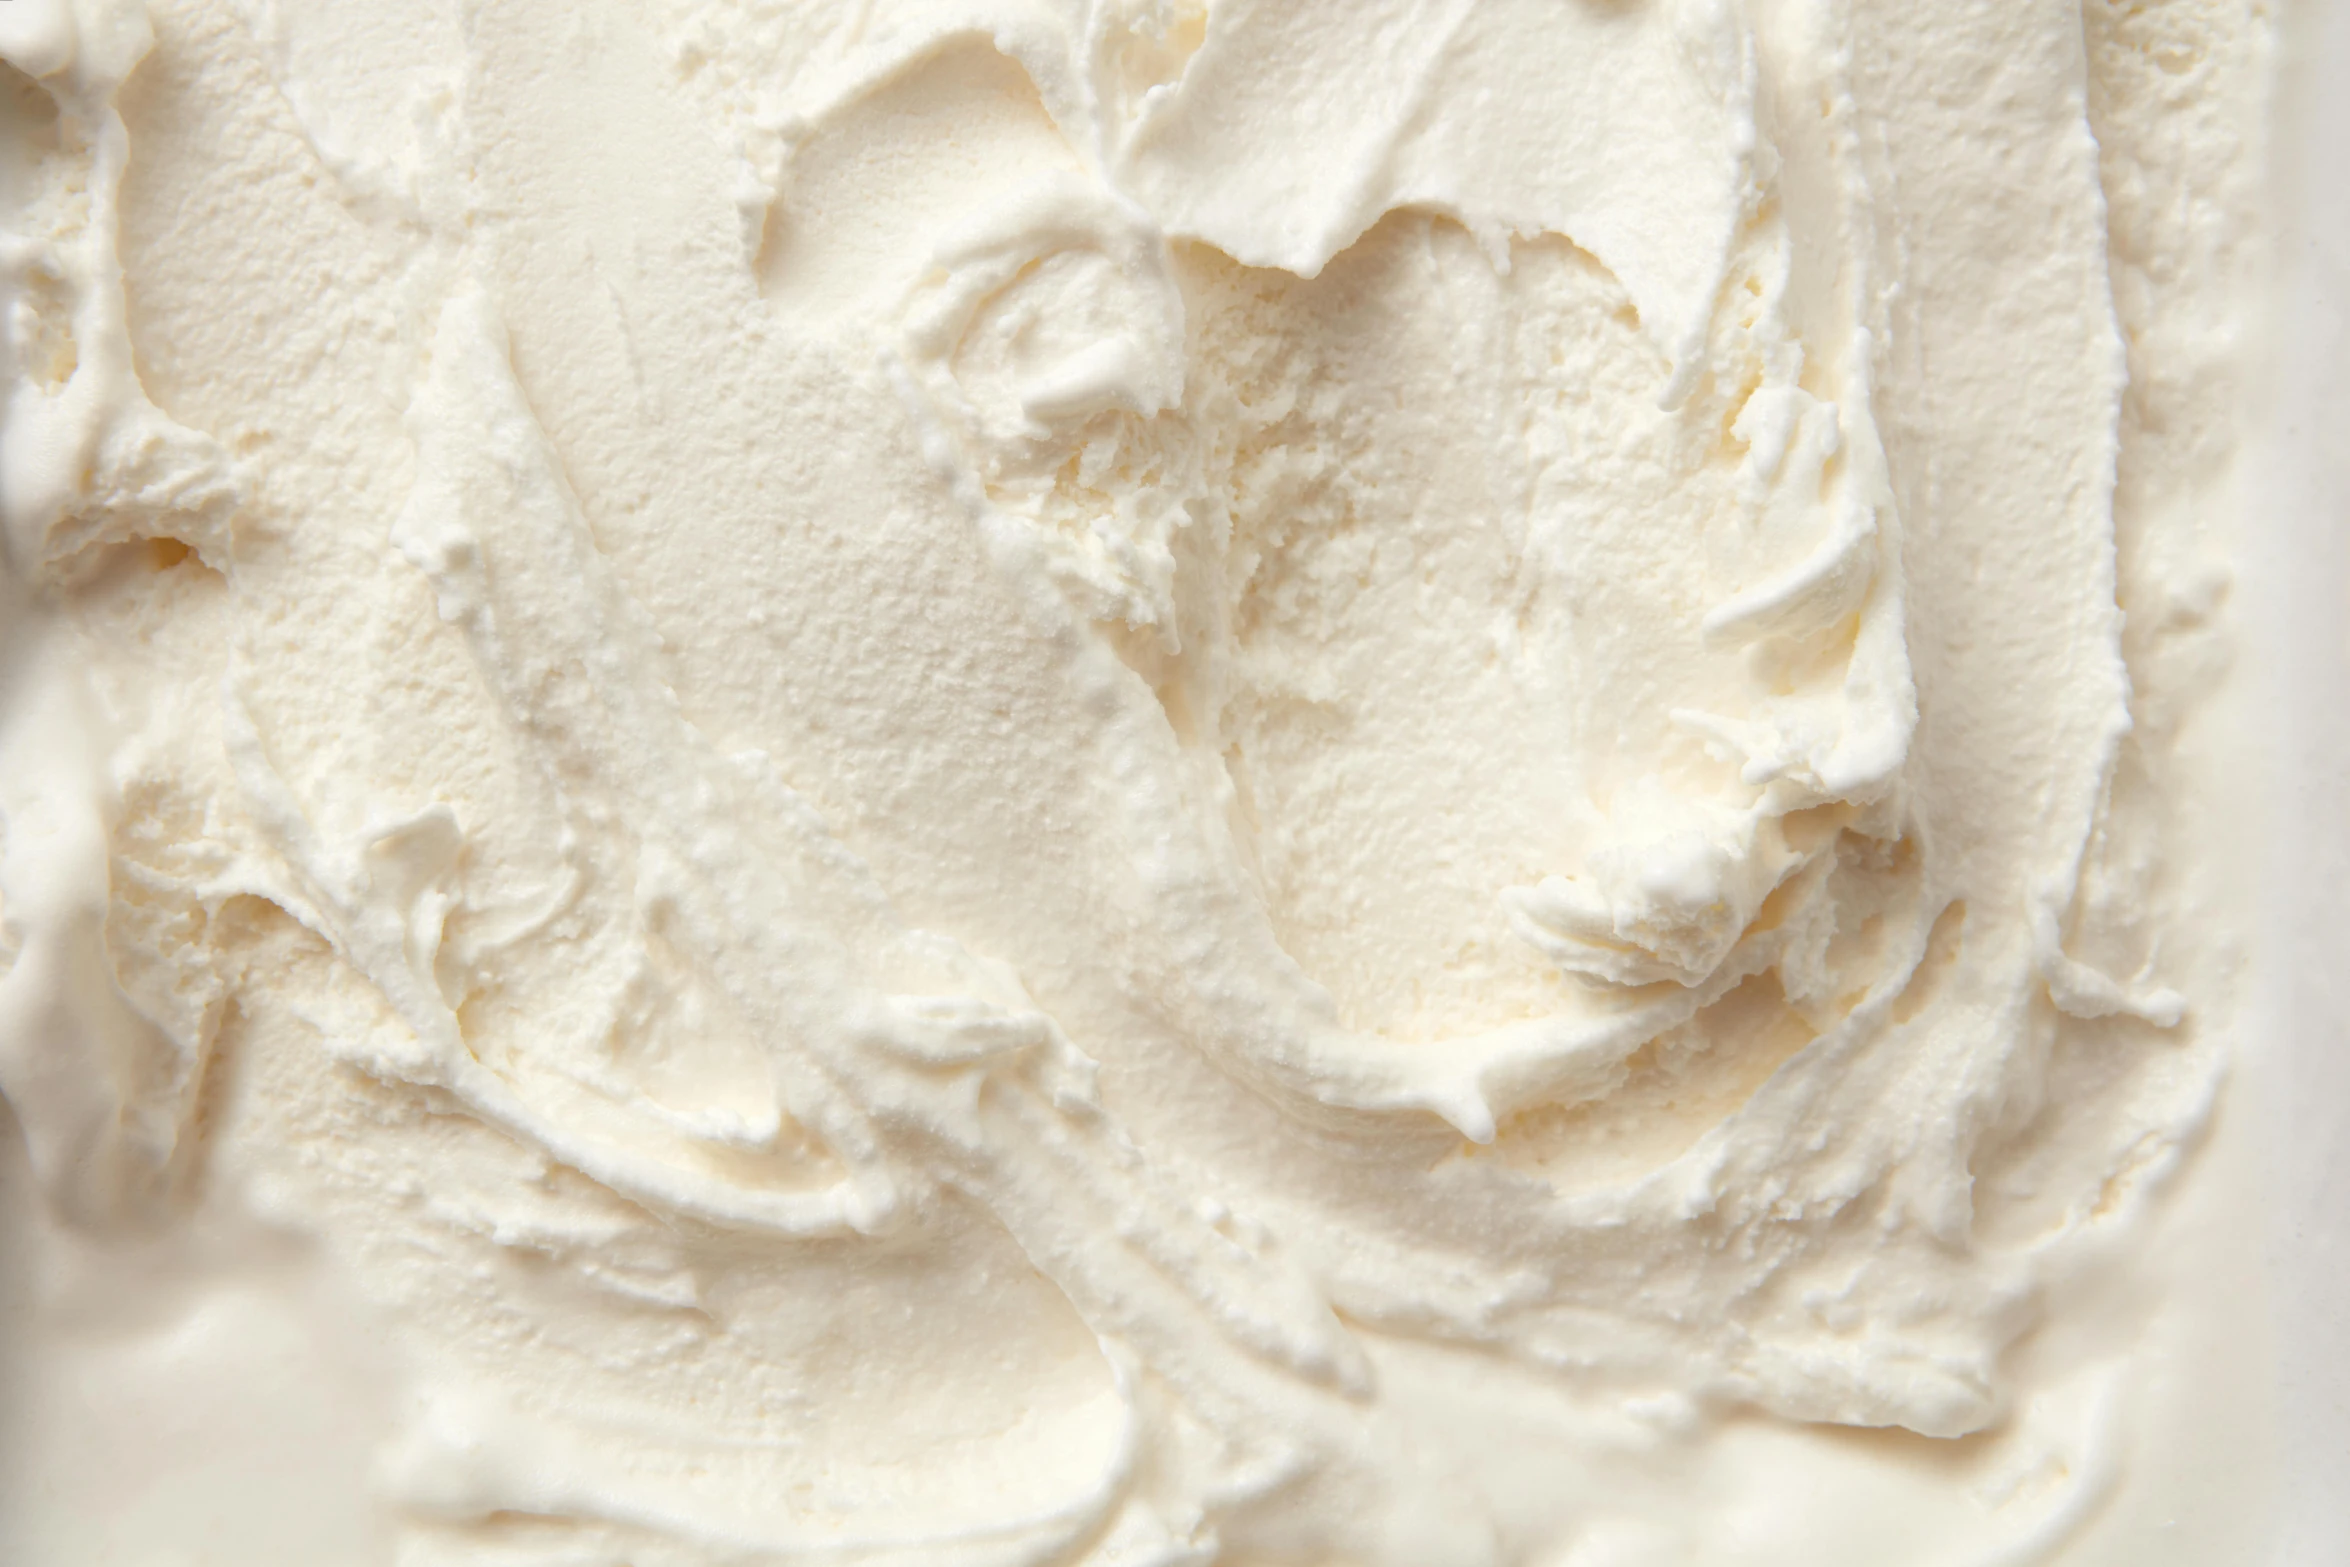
[(935, 771)]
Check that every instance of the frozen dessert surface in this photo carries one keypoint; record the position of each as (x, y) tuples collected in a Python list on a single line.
[(1356, 781)]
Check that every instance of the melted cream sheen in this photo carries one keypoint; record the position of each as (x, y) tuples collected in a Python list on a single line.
[(966, 782)]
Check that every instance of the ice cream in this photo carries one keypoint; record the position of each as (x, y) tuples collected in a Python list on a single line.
[(1387, 782)]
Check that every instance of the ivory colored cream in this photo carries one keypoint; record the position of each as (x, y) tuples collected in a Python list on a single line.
[(960, 782)]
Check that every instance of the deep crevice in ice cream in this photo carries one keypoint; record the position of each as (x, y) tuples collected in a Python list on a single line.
[(942, 769)]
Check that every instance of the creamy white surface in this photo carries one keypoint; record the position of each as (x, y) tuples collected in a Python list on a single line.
[(2302, 503), (1387, 782)]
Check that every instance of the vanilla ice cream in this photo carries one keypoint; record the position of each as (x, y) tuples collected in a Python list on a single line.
[(953, 782)]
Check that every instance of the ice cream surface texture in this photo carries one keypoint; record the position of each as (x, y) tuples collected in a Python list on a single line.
[(954, 782)]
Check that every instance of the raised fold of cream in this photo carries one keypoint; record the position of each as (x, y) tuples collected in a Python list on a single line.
[(975, 782)]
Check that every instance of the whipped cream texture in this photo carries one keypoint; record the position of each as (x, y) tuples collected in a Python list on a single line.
[(982, 782)]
